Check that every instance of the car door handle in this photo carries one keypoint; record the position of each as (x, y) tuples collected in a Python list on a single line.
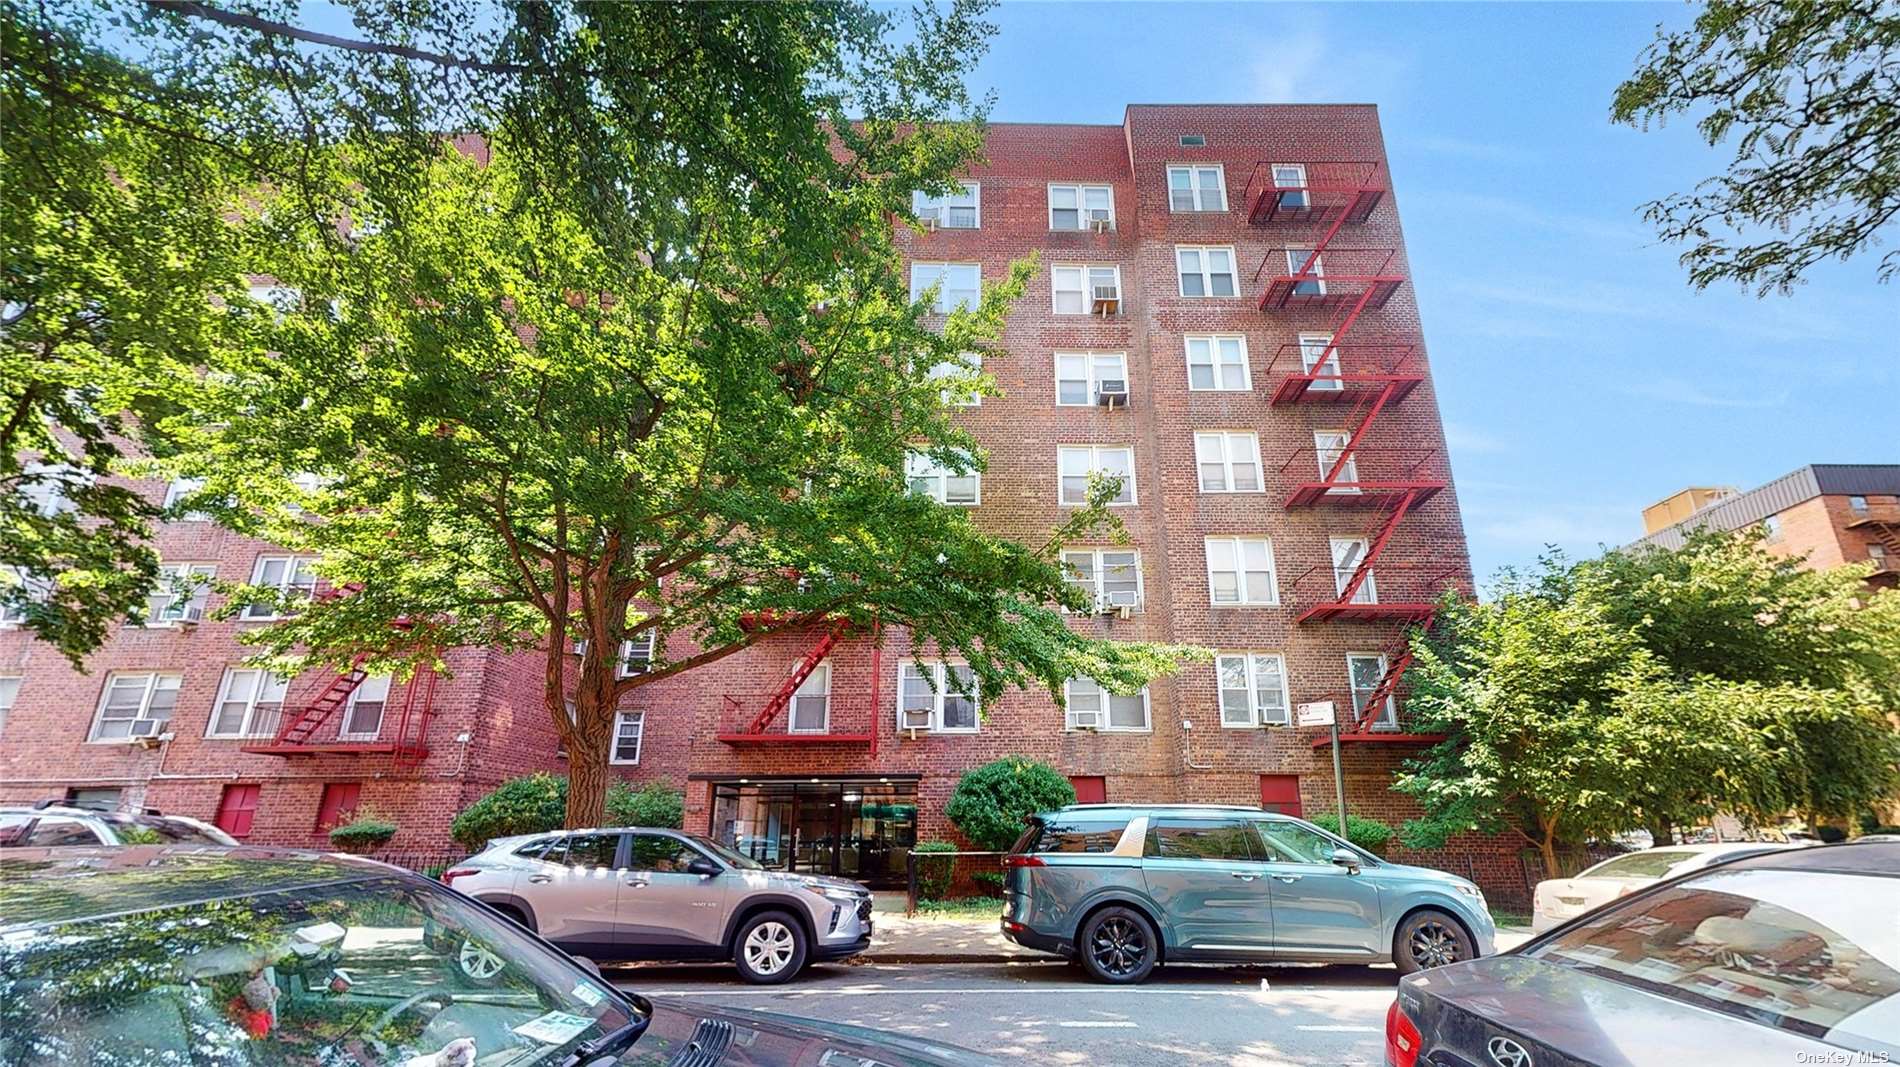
[(637, 883), (1288, 878), (540, 879), (1243, 876)]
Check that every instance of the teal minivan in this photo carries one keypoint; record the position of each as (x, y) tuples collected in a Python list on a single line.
[(1120, 888)]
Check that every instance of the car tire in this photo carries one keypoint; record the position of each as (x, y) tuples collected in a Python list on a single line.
[(1118, 945), (769, 948), (513, 915), (1429, 939)]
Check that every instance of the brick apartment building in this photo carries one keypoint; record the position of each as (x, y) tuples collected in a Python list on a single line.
[(1827, 513), (1221, 314)]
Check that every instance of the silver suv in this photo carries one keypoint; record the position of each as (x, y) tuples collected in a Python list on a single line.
[(646, 894), (1120, 888), (50, 825)]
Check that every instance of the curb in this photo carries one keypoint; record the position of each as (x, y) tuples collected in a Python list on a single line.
[(950, 957)]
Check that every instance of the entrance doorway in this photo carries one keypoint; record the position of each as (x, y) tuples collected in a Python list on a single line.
[(852, 828)]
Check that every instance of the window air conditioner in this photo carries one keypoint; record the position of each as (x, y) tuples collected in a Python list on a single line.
[(913, 719), (1125, 611), (1112, 393), (1121, 598), (194, 614), (1085, 720), (1099, 221), (1108, 299), (930, 221), (145, 727)]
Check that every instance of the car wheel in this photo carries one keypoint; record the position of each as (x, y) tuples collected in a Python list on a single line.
[(770, 948), (478, 964), (513, 915), (1118, 945), (1430, 939)]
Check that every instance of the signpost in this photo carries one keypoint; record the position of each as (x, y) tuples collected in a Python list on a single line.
[(1322, 713)]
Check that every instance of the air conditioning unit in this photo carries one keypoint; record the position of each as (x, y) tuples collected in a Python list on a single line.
[(194, 614), (145, 727), (929, 221), (1085, 720), (1108, 300), (1112, 393), (1099, 220), (913, 721)]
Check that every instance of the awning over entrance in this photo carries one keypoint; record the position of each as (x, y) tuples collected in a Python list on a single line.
[(860, 828)]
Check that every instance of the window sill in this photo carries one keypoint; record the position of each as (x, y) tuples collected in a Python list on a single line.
[(1108, 730), (1243, 603)]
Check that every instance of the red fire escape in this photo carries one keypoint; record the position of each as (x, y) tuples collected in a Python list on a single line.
[(298, 728), (739, 726), (1319, 281)]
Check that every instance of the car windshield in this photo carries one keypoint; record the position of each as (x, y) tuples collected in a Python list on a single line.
[(731, 858), (384, 971), (1650, 865), (1810, 952)]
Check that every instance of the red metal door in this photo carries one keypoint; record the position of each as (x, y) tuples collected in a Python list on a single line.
[(339, 803), (1280, 793), (236, 808), (1089, 788)]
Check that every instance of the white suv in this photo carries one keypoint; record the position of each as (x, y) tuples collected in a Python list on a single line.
[(48, 824), (647, 894)]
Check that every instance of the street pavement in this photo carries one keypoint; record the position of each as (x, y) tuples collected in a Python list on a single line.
[(1037, 1012)]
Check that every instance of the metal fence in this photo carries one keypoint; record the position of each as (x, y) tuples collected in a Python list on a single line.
[(429, 864), (934, 876)]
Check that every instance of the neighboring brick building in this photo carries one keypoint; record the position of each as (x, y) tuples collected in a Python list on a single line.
[(1290, 505), (1828, 513)]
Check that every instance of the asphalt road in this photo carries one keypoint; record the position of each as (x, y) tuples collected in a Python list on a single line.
[(1043, 1013)]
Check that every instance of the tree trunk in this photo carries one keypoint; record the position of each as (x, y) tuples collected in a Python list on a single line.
[(1547, 847), (586, 778)]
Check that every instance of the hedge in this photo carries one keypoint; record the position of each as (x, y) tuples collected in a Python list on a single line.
[(538, 802), (1369, 834), (993, 803)]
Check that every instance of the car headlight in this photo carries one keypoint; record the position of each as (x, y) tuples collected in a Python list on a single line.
[(1471, 891), (836, 894)]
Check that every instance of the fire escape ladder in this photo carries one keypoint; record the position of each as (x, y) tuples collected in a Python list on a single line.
[(1397, 660), (782, 696), (298, 727), (412, 729), (1375, 545), (1347, 451)]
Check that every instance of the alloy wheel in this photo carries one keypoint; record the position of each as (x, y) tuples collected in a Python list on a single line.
[(769, 947), (479, 963), (1434, 944), (1119, 946)]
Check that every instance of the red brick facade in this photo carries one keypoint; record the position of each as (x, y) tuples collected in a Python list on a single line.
[(489, 723)]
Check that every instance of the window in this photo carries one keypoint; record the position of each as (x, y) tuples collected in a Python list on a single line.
[(1205, 271), (932, 689), (9, 694), (955, 211), (1876, 554), (1252, 689), (1082, 290), (636, 654), (181, 490), (289, 575), (1193, 140), (1328, 446), (1291, 177), (1081, 207), (1314, 283), (1091, 707), (929, 478), (250, 704), (338, 804), (661, 854), (1319, 357), (1364, 670), (587, 851), (47, 487), (1240, 571), (1091, 789), (180, 595), (1073, 831), (27, 587), (363, 719), (1111, 575), (961, 392), (1229, 462), (136, 705), (629, 728), (1280, 794), (1857, 504), (1771, 528), (1348, 553), (237, 807), (1289, 842), (1218, 363), (1196, 188), (1077, 462), (961, 284), (1079, 376), (107, 800), (811, 702), (1232, 840)]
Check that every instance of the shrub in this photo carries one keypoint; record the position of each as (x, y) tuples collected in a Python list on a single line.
[(538, 802), (989, 882), (933, 871), (366, 831), (992, 803), (1369, 834)]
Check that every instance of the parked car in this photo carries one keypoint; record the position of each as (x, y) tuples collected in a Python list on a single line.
[(1791, 956), (1122, 888), (1556, 901), (46, 824), (172, 954), (647, 894)]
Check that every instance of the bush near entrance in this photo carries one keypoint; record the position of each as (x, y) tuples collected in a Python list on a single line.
[(365, 832), (1369, 834), (538, 802), (993, 803), (933, 871)]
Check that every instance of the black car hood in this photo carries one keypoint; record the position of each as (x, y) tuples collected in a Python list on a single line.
[(765, 1039), (1594, 1020)]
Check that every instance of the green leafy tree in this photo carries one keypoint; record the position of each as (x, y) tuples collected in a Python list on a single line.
[(993, 803), (535, 803), (1806, 92)]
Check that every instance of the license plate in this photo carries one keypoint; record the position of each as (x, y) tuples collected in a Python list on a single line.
[(1573, 901)]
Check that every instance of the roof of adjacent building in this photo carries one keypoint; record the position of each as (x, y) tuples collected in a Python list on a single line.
[(1815, 479)]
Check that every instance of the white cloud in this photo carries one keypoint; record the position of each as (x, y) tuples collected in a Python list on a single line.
[(1460, 437), (1305, 64)]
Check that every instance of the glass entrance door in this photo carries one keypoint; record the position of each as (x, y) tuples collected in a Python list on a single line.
[(861, 830)]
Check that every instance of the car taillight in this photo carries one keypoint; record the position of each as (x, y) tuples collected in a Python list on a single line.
[(1012, 862), (449, 876), (1401, 1038)]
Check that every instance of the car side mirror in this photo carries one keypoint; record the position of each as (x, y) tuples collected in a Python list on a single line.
[(1346, 858), (703, 867)]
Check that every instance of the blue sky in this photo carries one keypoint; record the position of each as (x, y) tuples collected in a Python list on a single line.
[(1580, 377)]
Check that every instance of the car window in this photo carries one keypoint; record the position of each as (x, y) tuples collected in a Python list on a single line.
[(1201, 839), (53, 832), (1639, 865), (1289, 842), (533, 849), (1812, 952), (1069, 833), (13, 829), (152, 831), (592, 850), (557, 851), (662, 854)]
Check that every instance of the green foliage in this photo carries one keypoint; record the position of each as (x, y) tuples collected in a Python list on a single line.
[(538, 802), (933, 870), (989, 882), (992, 803), (365, 831), (1369, 834), (962, 907), (1806, 92)]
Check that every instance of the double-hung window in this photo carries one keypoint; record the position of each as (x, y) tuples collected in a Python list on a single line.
[(1314, 282), (1111, 575), (1079, 376), (629, 726), (250, 704), (1093, 707), (929, 693), (1205, 270), (285, 574), (9, 692), (1252, 689), (636, 654), (960, 392), (180, 594), (136, 705), (1081, 207), (1196, 188), (1077, 462), (181, 490), (1240, 571), (1290, 179), (1218, 363), (1329, 446), (1320, 357), (47, 488), (1082, 289), (1364, 671), (364, 719), (927, 477), (1348, 554), (960, 284), (961, 210), (811, 703), (1229, 461)]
